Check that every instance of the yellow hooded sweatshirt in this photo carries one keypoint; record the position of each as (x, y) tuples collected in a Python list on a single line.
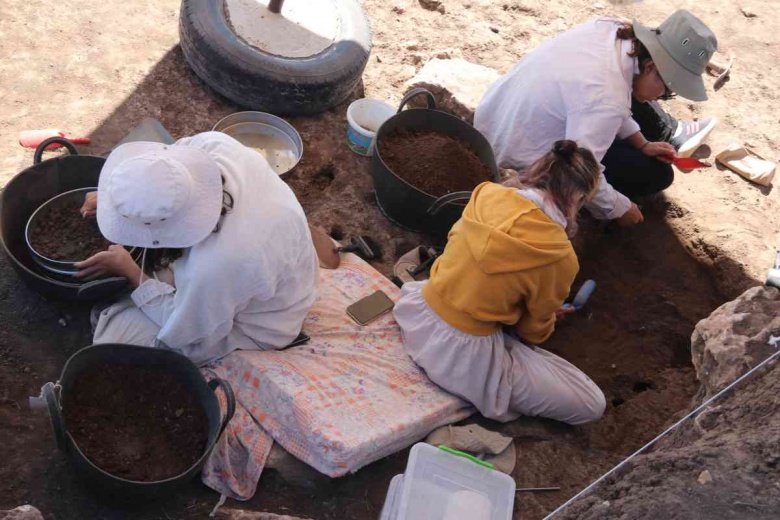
[(506, 263)]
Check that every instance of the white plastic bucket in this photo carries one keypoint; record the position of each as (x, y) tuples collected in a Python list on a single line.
[(364, 117)]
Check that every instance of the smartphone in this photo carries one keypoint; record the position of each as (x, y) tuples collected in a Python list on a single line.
[(370, 308)]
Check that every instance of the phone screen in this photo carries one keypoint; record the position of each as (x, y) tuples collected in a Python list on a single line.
[(370, 308)]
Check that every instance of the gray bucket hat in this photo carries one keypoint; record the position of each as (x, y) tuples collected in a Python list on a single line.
[(681, 47)]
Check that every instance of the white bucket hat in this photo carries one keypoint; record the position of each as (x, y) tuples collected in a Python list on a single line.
[(155, 195)]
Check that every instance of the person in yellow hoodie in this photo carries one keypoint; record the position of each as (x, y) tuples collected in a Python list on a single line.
[(508, 263)]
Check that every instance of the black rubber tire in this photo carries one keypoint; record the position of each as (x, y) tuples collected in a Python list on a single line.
[(269, 83)]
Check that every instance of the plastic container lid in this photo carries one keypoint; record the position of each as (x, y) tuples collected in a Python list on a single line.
[(438, 485), (390, 509)]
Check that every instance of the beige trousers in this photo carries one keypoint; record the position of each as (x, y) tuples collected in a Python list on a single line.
[(502, 377)]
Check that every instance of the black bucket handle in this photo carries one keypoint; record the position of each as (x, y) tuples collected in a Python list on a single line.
[(231, 401), (51, 140), (101, 289), (50, 392), (416, 92), (455, 196)]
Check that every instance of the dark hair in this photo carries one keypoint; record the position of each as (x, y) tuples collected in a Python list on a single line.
[(162, 258), (568, 173), (638, 49)]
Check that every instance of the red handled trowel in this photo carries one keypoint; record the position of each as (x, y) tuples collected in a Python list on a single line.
[(687, 163), (32, 138)]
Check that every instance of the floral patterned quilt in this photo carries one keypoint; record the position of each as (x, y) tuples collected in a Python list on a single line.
[(347, 398)]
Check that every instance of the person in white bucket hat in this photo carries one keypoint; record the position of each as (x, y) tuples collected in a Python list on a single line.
[(229, 261), (598, 84)]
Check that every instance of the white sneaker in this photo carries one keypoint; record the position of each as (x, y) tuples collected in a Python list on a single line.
[(691, 134)]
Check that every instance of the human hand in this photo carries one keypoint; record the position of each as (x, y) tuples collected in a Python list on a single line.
[(561, 313), (631, 217), (659, 150), (116, 261), (89, 209)]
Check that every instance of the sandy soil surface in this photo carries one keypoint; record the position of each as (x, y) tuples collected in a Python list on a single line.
[(98, 68)]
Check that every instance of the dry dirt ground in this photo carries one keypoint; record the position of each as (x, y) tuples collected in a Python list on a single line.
[(98, 68)]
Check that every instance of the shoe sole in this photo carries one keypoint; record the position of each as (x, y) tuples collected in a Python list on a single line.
[(690, 146)]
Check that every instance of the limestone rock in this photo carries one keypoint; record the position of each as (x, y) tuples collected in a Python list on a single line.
[(26, 512), (736, 337), (704, 477), (457, 85)]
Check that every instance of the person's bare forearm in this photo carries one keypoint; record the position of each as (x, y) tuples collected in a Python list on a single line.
[(637, 140), (134, 276)]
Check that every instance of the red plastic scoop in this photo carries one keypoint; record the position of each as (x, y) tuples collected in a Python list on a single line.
[(32, 138), (687, 163)]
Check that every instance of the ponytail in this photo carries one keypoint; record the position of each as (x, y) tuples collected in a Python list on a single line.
[(568, 174)]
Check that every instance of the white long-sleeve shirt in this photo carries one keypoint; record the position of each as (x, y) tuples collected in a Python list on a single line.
[(576, 86), (250, 284)]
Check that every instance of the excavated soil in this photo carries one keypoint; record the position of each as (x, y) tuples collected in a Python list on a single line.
[(139, 424), (61, 233), (721, 466), (432, 162)]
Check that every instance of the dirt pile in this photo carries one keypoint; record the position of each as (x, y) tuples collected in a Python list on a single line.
[(140, 424), (432, 162)]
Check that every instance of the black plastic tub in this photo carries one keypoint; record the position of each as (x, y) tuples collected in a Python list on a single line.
[(117, 488), (407, 205), (24, 194)]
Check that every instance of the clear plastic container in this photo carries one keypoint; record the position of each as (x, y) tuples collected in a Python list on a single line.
[(392, 500), (440, 485)]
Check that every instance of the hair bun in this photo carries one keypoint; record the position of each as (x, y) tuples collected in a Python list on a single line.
[(565, 149)]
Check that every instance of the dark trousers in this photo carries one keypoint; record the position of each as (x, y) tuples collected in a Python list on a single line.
[(630, 171)]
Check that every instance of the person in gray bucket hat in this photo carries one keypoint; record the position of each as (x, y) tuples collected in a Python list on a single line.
[(680, 48), (599, 85)]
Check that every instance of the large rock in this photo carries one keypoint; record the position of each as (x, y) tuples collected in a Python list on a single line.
[(457, 85), (21, 513), (736, 337)]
